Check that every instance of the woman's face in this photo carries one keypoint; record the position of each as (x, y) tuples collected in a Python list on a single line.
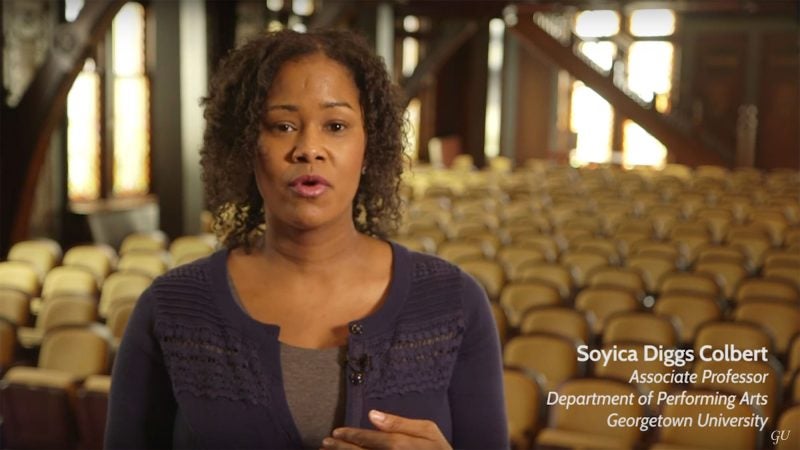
[(312, 143)]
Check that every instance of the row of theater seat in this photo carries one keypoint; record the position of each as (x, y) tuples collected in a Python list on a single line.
[(61, 319), (616, 260), (608, 249)]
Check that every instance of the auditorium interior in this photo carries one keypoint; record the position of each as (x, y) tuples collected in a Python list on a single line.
[(621, 177)]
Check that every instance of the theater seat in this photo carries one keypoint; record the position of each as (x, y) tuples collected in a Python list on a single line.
[(695, 437), (37, 402), (586, 427), (524, 402), (552, 356), (91, 409)]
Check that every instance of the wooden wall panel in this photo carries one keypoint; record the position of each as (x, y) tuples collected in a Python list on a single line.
[(719, 81), (536, 90), (778, 141)]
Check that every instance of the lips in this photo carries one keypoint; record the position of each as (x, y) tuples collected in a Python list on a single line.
[(309, 186)]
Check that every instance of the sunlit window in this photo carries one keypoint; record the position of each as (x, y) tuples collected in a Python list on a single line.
[(72, 8), (303, 7), (650, 77), (128, 103), (494, 89), (597, 23), (641, 148), (647, 73), (592, 120), (274, 5), (652, 22), (650, 68), (83, 135), (410, 46), (601, 53), (131, 103)]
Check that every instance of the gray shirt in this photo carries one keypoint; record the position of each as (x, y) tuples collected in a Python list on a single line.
[(314, 386)]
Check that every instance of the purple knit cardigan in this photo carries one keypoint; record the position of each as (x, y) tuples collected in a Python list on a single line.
[(195, 371)]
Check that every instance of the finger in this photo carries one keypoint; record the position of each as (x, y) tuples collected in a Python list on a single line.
[(330, 443), (361, 437), (398, 424)]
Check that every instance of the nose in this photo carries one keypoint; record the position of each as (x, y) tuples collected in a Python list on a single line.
[(307, 148)]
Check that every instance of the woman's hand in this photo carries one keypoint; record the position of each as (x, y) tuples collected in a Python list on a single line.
[(394, 433)]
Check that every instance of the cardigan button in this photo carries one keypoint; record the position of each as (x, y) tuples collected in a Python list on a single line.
[(357, 378), (356, 328)]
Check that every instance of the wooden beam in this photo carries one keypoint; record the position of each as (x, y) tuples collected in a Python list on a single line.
[(28, 127), (450, 37), (686, 149), (331, 14)]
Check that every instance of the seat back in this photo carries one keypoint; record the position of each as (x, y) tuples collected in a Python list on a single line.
[(694, 435), (183, 246), (121, 285), (651, 268), (78, 350), (593, 419), (599, 303), (19, 275), (524, 403), (683, 282), (560, 320), (456, 251), (146, 241), (618, 277), (66, 310), (99, 259), (689, 311), (641, 327), (118, 318), (582, 262), (489, 274), (781, 320), (512, 257), (42, 254), (623, 370), (766, 380), (15, 306), (69, 280), (554, 357), (552, 273), (768, 289), (728, 274), (517, 297), (743, 335), (151, 263)]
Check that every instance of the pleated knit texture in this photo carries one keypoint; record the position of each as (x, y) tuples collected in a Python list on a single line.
[(205, 357), (422, 353), (209, 359)]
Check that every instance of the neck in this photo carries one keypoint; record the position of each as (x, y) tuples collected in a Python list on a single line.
[(312, 250)]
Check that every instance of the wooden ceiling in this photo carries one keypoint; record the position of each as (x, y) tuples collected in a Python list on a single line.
[(493, 8)]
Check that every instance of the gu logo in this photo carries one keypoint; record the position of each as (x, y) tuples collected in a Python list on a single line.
[(779, 435)]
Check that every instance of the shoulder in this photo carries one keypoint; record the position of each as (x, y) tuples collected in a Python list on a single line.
[(186, 290), (434, 279), (193, 274)]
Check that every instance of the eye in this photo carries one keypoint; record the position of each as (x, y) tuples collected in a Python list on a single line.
[(281, 127), (336, 127)]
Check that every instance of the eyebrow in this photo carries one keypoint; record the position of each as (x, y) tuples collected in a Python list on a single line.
[(294, 108)]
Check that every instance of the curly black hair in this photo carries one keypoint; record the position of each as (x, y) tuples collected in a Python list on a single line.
[(234, 113)]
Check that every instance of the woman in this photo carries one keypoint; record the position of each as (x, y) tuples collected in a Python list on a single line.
[(308, 330)]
